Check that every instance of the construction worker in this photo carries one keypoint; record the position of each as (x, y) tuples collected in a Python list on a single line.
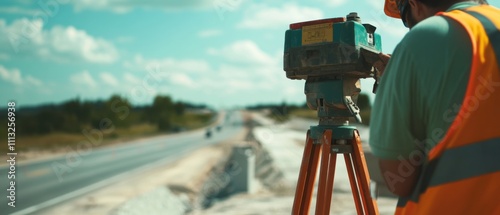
[(435, 123)]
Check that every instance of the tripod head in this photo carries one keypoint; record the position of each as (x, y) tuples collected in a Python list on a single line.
[(332, 55)]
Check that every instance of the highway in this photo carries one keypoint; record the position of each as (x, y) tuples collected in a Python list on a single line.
[(38, 185)]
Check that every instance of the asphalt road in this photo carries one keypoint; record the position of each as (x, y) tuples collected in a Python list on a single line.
[(38, 185)]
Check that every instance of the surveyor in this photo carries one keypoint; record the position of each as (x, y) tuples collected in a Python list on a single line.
[(435, 123)]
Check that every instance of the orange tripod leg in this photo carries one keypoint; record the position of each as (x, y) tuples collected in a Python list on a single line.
[(356, 168), (311, 178), (329, 184), (354, 184), (327, 173), (307, 175), (370, 205)]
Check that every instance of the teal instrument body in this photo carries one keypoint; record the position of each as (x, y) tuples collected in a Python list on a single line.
[(330, 47)]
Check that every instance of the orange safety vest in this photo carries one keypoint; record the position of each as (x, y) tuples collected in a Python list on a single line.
[(462, 172)]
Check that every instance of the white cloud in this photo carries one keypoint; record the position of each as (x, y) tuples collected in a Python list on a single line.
[(14, 76), (244, 51), (209, 33), (332, 3), (109, 79), (292, 91), (182, 80), (236, 84), (159, 75), (166, 66), (77, 42), (149, 76), (335, 3), (83, 78), (244, 73), (33, 81), (66, 44), (17, 10), (262, 16), (265, 80), (246, 66), (124, 6), (131, 79)]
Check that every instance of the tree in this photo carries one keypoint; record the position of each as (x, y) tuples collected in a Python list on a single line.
[(179, 108), (364, 102), (161, 112), (50, 120), (118, 109), (365, 108), (164, 123), (76, 115)]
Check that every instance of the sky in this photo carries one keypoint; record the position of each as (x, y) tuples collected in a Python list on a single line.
[(223, 53)]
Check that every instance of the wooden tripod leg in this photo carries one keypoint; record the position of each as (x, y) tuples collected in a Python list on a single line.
[(361, 170), (354, 184), (327, 173), (311, 179), (307, 175)]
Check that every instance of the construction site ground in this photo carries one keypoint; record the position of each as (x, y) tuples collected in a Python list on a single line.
[(179, 188)]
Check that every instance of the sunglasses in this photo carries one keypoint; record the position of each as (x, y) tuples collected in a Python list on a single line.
[(403, 10)]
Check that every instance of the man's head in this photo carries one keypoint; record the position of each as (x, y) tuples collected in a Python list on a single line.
[(422, 9), (414, 11)]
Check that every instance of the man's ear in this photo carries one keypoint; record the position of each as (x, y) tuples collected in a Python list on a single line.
[(416, 9)]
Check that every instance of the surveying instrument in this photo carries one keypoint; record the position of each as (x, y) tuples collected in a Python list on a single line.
[(332, 55)]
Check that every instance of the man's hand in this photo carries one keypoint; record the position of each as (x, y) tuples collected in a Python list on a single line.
[(381, 64)]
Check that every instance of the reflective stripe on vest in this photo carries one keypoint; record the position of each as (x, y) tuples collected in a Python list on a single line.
[(449, 167), (462, 173)]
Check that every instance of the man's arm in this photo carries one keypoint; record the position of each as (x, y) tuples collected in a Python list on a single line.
[(400, 176), (391, 137)]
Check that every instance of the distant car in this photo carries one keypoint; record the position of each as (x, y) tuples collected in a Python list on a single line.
[(208, 133)]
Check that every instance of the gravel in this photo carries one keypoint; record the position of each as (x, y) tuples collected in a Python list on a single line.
[(158, 201)]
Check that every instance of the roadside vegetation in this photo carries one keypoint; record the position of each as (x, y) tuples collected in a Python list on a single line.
[(278, 112), (60, 125)]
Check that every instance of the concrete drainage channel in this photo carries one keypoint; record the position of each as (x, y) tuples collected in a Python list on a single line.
[(248, 168)]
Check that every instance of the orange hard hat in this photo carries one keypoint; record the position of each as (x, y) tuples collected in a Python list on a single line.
[(391, 8)]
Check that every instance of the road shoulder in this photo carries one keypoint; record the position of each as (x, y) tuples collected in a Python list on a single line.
[(184, 178)]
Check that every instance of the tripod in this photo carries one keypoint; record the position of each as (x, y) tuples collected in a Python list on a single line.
[(332, 99)]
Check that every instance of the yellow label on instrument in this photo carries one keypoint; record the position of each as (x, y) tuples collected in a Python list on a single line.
[(319, 33)]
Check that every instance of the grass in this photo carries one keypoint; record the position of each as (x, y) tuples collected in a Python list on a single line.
[(305, 113), (46, 141), (143, 129), (302, 112), (61, 140), (193, 121), (278, 117)]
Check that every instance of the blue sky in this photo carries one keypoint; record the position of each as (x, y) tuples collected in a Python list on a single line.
[(218, 52)]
